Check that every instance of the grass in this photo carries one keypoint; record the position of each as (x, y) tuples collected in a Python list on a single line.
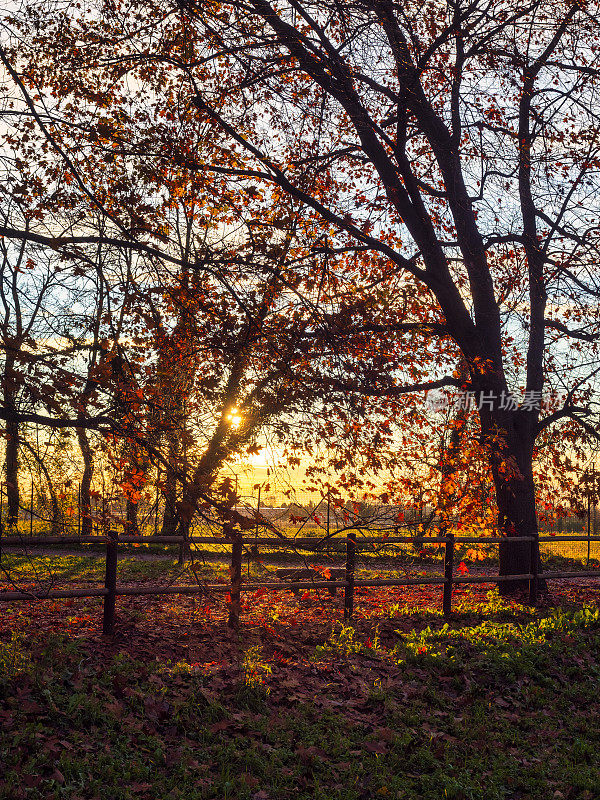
[(577, 551), (558, 555), (67, 570), (59, 570), (501, 705)]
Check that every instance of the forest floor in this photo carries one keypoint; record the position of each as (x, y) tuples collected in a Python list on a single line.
[(500, 703)]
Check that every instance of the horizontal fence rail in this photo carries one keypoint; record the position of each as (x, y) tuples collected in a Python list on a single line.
[(111, 590), (270, 541), (124, 591)]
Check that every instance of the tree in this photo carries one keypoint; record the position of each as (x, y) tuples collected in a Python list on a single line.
[(444, 153), (221, 304), (36, 300), (460, 141), (13, 338)]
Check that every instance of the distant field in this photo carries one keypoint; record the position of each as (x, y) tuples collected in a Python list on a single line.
[(335, 548)]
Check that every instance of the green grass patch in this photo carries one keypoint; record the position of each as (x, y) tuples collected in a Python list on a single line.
[(59, 570), (501, 705)]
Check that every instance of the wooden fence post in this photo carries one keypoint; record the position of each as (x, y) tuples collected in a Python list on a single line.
[(350, 566), (31, 508), (110, 583), (328, 548), (448, 573), (533, 568), (235, 607), (182, 543)]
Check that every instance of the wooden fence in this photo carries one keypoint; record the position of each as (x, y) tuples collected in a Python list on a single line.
[(111, 590)]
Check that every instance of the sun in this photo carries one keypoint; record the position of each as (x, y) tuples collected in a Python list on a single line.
[(234, 418)]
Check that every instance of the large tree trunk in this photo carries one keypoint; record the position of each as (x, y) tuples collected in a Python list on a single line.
[(85, 502), (132, 526), (11, 462), (170, 515), (12, 472), (512, 469), (235, 602)]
